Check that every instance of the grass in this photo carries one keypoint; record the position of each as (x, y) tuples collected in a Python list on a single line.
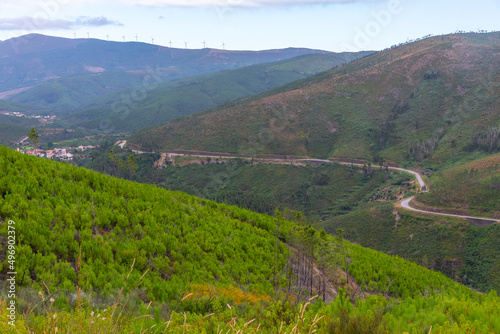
[(473, 186)]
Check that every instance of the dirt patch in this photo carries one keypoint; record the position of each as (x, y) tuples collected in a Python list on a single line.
[(162, 162), (398, 217)]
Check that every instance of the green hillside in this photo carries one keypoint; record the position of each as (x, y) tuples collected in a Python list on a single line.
[(10, 133), (107, 255), (455, 247), (131, 110), (71, 93), (13, 128), (78, 92), (422, 102), (318, 192), (472, 187), (335, 196), (9, 106)]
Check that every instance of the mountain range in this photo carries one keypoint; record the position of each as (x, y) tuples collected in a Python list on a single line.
[(33, 59), (426, 100), (88, 82)]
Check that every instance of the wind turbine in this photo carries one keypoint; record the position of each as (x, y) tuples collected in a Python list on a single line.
[(170, 43), (107, 38), (136, 37), (152, 40), (74, 34), (204, 44), (88, 35), (124, 38), (186, 44), (223, 46)]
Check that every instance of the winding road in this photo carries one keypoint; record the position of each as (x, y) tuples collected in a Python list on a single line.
[(423, 186), (405, 203)]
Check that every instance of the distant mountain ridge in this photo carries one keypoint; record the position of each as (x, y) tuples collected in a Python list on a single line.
[(31, 59), (187, 96)]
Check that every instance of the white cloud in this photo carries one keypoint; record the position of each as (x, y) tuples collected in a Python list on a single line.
[(20, 23), (235, 3), (181, 3)]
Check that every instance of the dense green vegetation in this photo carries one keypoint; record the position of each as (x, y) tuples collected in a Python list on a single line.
[(335, 196), (112, 223), (455, 247), (11, 132), (421, 103), (124, 245)]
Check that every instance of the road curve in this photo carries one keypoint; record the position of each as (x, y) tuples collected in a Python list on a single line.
[(406, 204), (421, 182)]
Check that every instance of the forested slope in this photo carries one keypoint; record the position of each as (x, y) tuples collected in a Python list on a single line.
[(60, 209), (191, 265)]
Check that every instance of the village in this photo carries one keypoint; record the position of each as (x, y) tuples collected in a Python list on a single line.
[(43, 119), (62, 153)]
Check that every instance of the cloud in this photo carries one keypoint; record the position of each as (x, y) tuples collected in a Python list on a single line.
[(42, 23), (185, 3), (237, 3), (181, 3), (95, 22)]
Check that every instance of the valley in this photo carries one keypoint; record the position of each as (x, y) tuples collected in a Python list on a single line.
[(278, 191)]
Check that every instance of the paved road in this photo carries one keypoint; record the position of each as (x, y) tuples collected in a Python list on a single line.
[(421, 182), (406, 204)]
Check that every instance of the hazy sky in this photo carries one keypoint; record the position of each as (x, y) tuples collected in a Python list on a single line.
[(334, 25)]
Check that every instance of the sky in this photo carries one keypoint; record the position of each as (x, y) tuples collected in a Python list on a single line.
[(331, 25)]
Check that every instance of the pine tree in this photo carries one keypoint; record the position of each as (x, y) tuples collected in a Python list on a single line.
[(33, 137), (131, 166)]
